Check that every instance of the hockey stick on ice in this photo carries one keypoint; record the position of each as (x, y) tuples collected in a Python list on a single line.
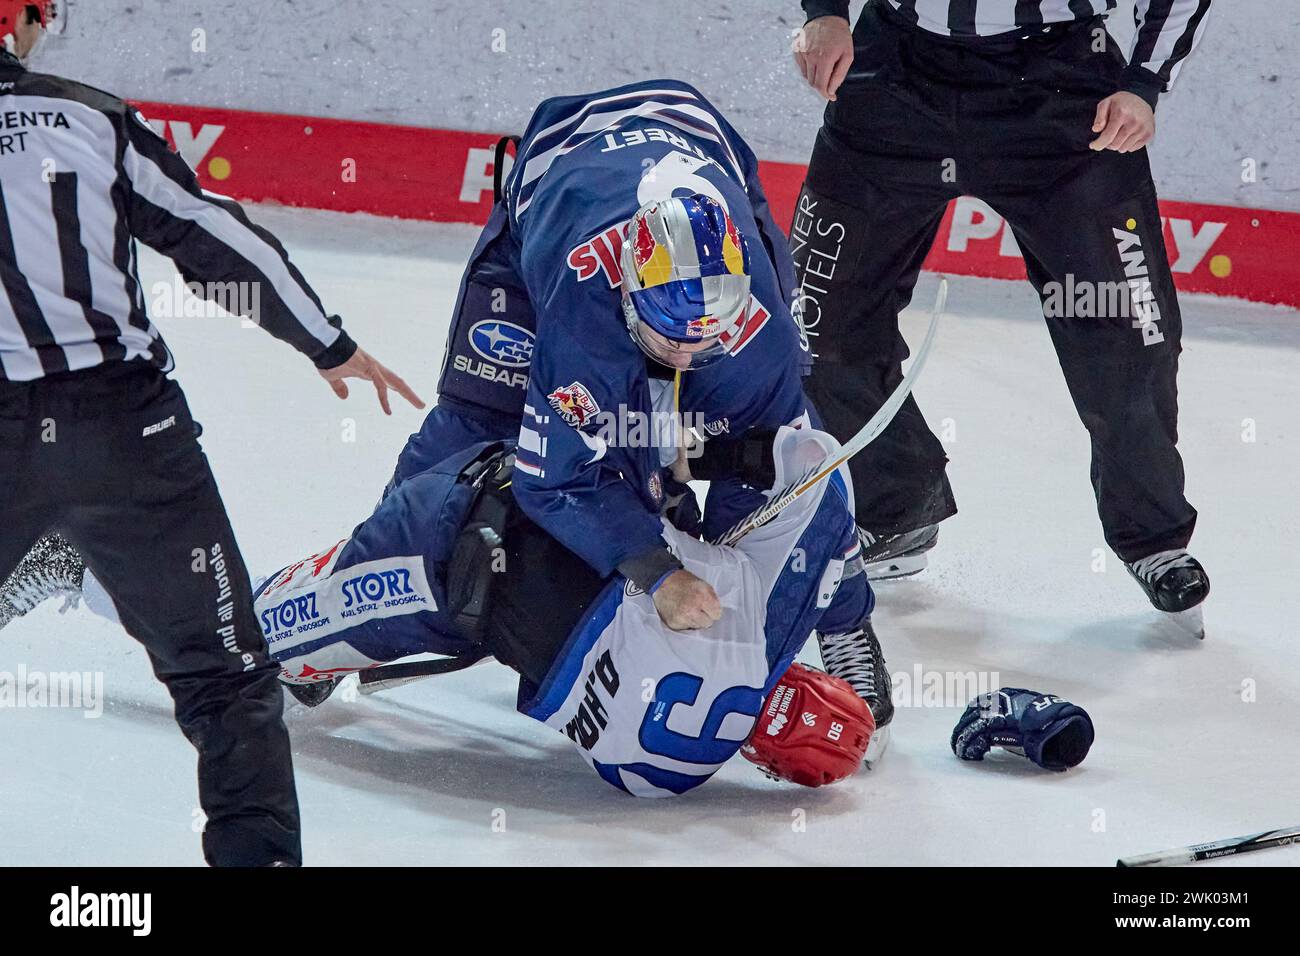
[(868, 433), (1197, 852)]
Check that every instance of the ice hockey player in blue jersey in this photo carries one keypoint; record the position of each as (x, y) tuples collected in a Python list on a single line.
[(575, 319), (542, 347), (629, 298)]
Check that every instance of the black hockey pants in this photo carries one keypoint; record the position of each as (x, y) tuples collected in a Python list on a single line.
[(109, 457), (921, 120)]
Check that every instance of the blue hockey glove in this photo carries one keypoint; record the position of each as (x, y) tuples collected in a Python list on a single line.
[(1049, 730)]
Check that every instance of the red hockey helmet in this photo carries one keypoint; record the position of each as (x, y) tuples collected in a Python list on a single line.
[(49, 12), (813, 729)]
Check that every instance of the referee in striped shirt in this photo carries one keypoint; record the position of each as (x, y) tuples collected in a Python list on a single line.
[(1031, 106), (96, 442)]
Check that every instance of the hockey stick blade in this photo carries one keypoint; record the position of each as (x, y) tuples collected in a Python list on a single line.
[(865, 436), (387, 676), (388, 683), (1198, 852)]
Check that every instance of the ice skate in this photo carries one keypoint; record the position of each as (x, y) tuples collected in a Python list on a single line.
[(52, 568), (897, 555), (1176, 584)]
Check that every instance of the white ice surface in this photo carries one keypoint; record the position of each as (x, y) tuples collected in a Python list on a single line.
[(445, 771)]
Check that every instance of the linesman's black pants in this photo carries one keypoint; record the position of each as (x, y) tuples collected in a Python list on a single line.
[(110, 458), (921, 120)]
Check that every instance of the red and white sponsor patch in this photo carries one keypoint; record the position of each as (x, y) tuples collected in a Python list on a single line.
[(574, 404), (314, 566), (599, 255)]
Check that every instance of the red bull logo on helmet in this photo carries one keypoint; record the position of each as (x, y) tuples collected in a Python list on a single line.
[(733, 255), (704, 327), (654, 263)]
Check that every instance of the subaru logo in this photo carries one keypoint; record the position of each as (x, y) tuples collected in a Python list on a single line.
[(502, 342)]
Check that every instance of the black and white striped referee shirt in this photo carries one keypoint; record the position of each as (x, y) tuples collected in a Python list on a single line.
[(82, 176), (1167, 30)]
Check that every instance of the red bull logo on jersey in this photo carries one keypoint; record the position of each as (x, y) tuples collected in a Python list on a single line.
[(574, 404)]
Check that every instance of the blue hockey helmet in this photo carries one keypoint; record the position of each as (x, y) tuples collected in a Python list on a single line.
[(686, 279)]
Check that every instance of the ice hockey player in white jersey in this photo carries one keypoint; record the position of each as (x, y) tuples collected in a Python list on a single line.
[(450, 564)]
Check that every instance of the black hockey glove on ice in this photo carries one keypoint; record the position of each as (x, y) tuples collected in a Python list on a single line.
[(1049, 730)]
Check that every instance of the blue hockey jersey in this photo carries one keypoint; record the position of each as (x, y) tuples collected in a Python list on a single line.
[(597, 427)]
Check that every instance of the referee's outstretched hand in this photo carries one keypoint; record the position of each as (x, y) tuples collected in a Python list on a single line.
[(363, 365), (823, 50), (1125, 123)]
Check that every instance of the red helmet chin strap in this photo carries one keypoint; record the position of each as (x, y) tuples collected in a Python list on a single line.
[(813, 730)]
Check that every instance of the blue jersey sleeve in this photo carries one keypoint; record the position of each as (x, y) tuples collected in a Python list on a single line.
[(569, 477)]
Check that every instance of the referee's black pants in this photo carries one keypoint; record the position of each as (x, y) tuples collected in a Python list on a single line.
[(922, 119), (109, 457)]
